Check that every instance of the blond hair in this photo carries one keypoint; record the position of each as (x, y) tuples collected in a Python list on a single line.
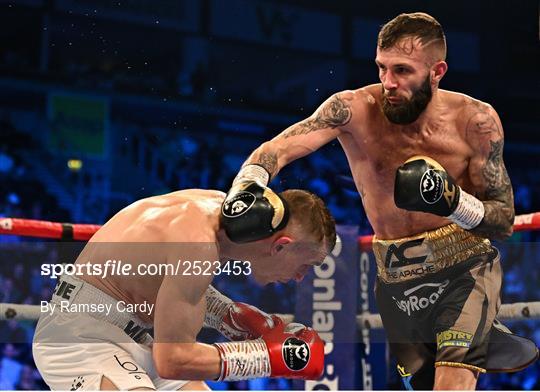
[(311, 214)]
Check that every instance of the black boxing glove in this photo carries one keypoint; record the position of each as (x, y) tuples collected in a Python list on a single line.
[(423, 185), (252, 211)]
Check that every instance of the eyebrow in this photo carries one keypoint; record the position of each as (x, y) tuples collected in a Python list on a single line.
[(394, 65), (402, 65)]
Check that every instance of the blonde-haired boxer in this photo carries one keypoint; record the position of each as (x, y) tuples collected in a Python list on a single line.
[(109, 347), (438, 276)]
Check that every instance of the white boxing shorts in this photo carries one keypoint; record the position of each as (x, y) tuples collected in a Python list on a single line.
[(75, 350)]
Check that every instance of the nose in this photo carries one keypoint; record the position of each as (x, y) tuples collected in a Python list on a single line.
[(389, 82)]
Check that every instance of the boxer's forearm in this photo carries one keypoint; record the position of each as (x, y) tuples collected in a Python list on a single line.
[(498, 221), (268, 156), (187, 361)]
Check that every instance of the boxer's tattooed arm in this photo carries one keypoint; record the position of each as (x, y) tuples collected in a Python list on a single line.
[(267, 160), (499, 203), (498, 198), (334, 113)]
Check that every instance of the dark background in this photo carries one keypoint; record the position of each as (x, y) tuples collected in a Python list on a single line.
[(155, 96)]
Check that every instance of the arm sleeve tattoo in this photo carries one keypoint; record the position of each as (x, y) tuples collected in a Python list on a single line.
[(333, 113), (498, 198)]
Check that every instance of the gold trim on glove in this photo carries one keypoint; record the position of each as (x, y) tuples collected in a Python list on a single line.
[(277, 203)]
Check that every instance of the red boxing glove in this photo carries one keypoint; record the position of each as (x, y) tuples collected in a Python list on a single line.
[(295, 355), (279, 353), (245, 322)]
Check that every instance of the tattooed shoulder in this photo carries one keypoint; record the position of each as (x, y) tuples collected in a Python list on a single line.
[(333, 113), (485, 135), (482, 121)]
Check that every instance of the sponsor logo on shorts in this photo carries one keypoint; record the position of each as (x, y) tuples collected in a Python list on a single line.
[(77, 383), (134, 331), (395, 255), (130, 367), (239, 204), (295, 353), (64, 289), (453, 338), (407, 272), (414, 303), (431, 186)]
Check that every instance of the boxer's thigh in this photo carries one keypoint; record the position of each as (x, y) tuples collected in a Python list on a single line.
[(83, 366), (408, 336), (142, 355), (465, 314), (76, 351)]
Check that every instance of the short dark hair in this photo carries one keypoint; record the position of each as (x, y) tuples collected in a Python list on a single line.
[(312, 215), (417, 25)]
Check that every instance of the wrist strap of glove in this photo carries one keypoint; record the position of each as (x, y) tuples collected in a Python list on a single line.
[(469, 211), (243, 360), (253, 172), (216, 306)]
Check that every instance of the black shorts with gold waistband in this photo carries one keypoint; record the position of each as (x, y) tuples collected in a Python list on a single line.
[(438, 295)]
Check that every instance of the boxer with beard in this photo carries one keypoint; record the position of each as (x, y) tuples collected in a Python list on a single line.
[(428, 164), (406, 111)]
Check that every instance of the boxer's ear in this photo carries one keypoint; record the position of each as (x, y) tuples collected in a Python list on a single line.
[(438, 70), (279, 244)]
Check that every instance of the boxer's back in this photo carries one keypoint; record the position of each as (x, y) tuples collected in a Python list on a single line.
[(144, 239)]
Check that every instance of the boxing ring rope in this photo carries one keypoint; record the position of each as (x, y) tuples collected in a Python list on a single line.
[(45, 229), (515, 311), (83, 232)]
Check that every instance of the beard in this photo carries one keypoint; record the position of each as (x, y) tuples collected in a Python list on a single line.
[(407, 112)]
